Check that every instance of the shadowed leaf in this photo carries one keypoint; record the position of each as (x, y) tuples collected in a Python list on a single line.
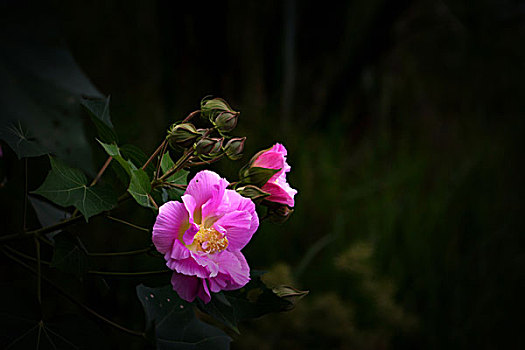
[(174, 324)]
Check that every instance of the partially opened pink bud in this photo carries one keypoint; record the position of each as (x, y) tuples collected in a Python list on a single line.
[(277, 186)]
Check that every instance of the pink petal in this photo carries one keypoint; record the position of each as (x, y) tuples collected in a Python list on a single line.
[(178, 251), (279, 194), (201, 186), (234, 271), (171, 221), (237, 225), (209, 209), (242, 203), (189, 203), (207, 262), (279, 149), (204, 292), (186, 287), (188, 267), (269, 160)]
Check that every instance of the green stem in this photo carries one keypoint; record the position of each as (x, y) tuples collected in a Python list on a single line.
[(75, 301), (25, 256)]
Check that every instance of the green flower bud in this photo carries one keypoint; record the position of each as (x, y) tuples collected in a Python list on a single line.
[(183, 135), (208, 146), (226, 121), (211, 108), (234, 148)]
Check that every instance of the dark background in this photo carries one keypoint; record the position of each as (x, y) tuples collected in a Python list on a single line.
[(404, 126)]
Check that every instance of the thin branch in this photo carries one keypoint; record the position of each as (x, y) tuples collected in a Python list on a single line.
[(25, 256), (179, 165), (206, 162), (127, 253), (128, 223), (101, 171), (182, 161), (75, 301), (25, 197), (160, 160), (154, 154), (40, 231), (191, 115), (38, 271), (128, 274), (153, 201)]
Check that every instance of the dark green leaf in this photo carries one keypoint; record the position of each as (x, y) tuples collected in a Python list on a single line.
[(221, 309), (174, 324), (67, 186), (68, 256), (137, 157), (99, 107), (140, 187), (99, 111), (21, 141)]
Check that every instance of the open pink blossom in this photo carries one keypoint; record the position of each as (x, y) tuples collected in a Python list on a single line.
[(202, 237), (279, 189)]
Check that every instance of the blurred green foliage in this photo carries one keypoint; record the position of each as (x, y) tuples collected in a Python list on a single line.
[(404, 126)]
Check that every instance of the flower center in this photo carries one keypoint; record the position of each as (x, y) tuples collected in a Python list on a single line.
[(209, 240)]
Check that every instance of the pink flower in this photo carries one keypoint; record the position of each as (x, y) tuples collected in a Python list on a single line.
[(202, 237), (280, 191)]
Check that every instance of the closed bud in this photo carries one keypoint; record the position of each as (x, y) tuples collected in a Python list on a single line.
[(278, 213), (290, 294), (234, 148), (226, 121), (183, 135), (208, 146), (211, 108)]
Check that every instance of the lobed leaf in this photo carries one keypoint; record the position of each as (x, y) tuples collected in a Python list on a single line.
[(68, 186), (22, 142)]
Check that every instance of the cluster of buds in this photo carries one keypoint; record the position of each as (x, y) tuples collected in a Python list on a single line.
[(223, 118)]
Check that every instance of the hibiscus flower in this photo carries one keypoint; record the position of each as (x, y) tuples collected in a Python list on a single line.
[(202, 237)]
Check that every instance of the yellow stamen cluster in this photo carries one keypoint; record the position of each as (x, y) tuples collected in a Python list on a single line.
[(209, 240)]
